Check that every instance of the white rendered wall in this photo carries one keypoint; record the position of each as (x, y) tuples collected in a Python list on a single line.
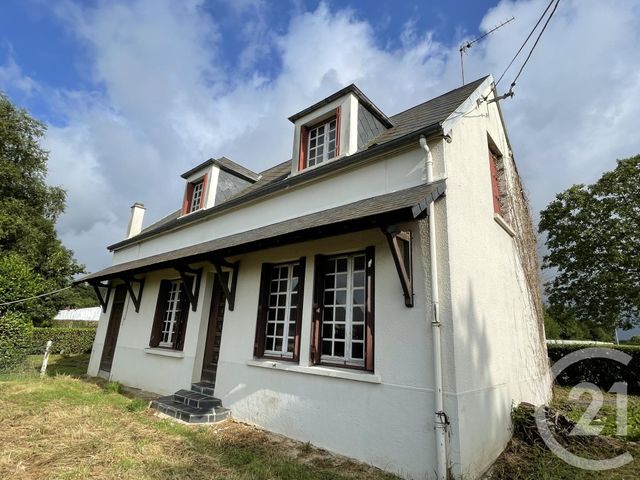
[(134, 364), (498, 351)]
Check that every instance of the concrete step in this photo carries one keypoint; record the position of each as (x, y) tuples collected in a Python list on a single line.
[(197, 400), (177, 409), (206, 388)]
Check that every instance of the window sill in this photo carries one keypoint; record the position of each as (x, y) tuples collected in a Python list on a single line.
[(503, 223), (164, 352), (317, 370)]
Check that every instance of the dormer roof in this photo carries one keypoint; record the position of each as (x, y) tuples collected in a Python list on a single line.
[(362, 98), (228, 166)]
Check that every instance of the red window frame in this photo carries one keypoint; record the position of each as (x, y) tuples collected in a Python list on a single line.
[(304, 141), (188, 194)]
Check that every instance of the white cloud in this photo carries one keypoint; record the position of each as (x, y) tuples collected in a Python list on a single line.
[(164, 99)]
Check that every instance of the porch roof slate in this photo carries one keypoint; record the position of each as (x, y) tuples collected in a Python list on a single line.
[(401, 205)]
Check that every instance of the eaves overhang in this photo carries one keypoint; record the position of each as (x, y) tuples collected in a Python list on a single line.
[(383, 210)]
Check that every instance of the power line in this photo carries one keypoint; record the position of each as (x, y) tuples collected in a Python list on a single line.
[(513, 84), (527, 39), (35, 296)]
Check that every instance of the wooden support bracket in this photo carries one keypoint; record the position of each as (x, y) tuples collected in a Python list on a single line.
[(402, 258), (129, 281), (194, 290), (104, 300), (229, 292)]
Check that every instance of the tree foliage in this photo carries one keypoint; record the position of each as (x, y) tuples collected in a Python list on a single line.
[(29, 209), (593, 239)]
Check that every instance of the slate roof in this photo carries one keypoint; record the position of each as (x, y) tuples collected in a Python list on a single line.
[(424, 119), (403, 204)]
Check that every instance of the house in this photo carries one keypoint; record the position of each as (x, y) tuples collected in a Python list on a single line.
[(376, 295), (77, 317)]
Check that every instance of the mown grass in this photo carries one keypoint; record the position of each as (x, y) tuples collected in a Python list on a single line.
[(64, 427), (525, 461)]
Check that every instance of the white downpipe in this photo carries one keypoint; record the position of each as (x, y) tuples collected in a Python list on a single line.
[(439, 417)]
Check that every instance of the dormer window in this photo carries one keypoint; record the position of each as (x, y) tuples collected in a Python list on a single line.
[(196, 197), (322, 143)]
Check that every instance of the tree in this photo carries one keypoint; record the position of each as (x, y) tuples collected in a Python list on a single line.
[(29, 209), (593, 240)]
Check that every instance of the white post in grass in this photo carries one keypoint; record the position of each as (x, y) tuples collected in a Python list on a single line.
[(45, 360)]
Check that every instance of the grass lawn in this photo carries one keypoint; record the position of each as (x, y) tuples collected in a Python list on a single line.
[(523, 461), (63, 427)]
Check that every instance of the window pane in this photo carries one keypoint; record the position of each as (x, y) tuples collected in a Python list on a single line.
[(358, 296), (358, 279), (358, 314), (326, 347), (340, 314), (341, 280), (341, 297), (329, 281), (327, 330), (341, 264), (358, 262), (328, 315), (339, 331), (281, 314), (338, 349), (358, 332), (328, 298), (357, 350)]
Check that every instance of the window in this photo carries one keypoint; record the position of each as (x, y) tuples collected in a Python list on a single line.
[(497, 174), (170, 321), (194, 196), (280, 310), (343, 310), (320, 142)]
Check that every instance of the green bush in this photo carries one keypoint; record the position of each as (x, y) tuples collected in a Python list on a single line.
[(15, 340), (602, 372), (69, 341)]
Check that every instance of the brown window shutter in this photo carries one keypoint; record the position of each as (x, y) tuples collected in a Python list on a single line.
[(296, 345), (495, 186), (318, 303), (161, 305), (338, 112), (370, 308), (304, 142), (186, 203), (263, 309), (181, 327)]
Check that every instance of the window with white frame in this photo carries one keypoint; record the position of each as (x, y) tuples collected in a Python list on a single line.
[(282, 310), (196, 196), (171, 315), (343, 314), (321, 144)]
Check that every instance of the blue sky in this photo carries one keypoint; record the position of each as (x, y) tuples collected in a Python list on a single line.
[(136, 92)]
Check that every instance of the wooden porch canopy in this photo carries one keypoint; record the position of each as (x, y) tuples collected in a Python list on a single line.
[(382, 211)]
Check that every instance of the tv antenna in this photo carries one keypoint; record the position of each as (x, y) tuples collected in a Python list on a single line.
[(467, 45)]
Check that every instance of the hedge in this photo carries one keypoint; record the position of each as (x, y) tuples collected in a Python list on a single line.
[(15, 340), (603, 372), (65, 340)]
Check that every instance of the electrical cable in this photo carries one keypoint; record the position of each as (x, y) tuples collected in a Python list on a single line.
[(36, 296), (513, 84), (525, 42)]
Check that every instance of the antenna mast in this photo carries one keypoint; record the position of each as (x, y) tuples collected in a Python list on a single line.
[(465, 46)]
